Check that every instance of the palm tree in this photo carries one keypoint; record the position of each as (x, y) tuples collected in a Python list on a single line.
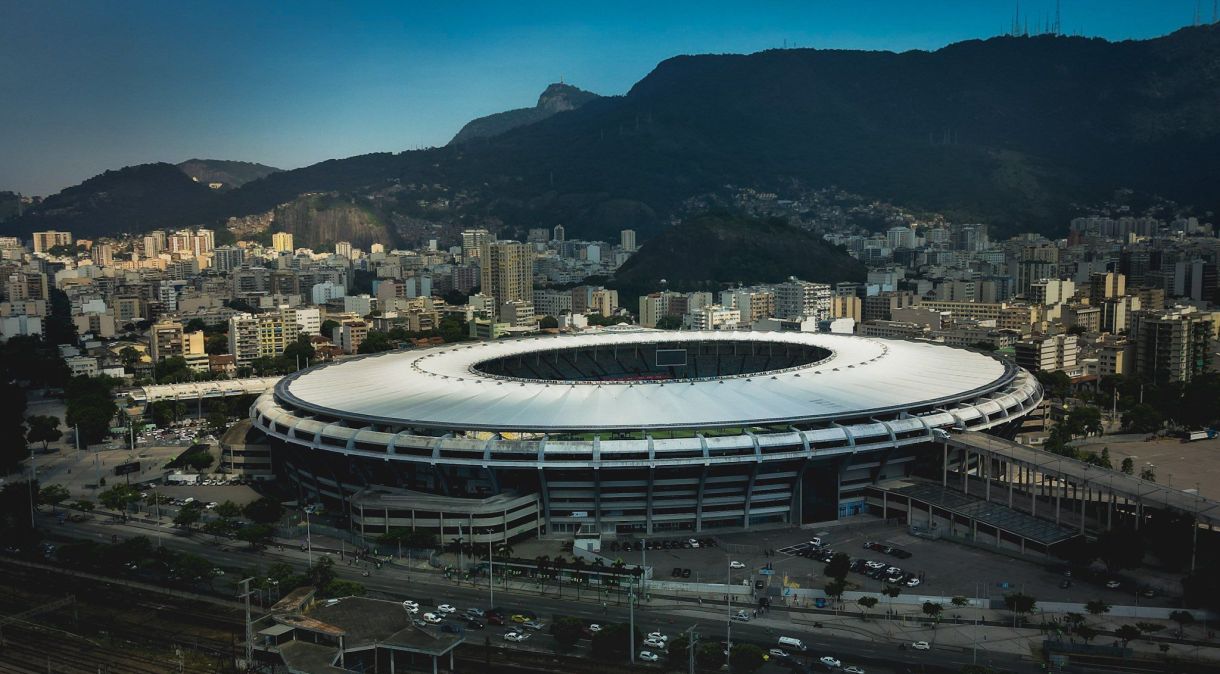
[(541, 562), (578, 567), (559, 564)]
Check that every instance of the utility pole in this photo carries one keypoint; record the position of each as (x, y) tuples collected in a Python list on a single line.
[(33, 482), (491, 576), (245, 586), (308, 539)]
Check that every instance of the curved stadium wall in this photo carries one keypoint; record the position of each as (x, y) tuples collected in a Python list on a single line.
[(626, 433)]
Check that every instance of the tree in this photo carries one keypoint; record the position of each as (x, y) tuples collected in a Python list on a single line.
[(1114, 548), (53, 495), (328, 327), (1019, 603), (188, 516), (835, 589), (867, 603), (1149, 628), (746, 658), (548, 323), (119, 497), (932, 609), (322, 572), (91, 406), (266, 510), (44, 429), (83, 506), (669, 323), (1077, 551), (1142, 418), (613, 642), (1126, 633), (1085, 632), (709, 656), (218, 421), (228, 510), (1148, 473), (13, 448), (1073, 620), (1128, 466), (376, 342), (960, 601), (343, 588), (257, 535), (838, 567), (567, 631), (1097, 607), (1182, 618)]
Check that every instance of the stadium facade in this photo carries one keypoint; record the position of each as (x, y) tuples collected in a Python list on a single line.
[(626, 433)]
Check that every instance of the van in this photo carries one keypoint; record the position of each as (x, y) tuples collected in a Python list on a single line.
[(792, 642)]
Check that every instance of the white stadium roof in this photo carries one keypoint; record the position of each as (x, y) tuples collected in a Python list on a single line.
[(439, 387)]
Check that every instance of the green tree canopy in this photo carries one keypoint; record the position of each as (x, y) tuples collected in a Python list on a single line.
[(265, 510), (44, 429), (746, 658)]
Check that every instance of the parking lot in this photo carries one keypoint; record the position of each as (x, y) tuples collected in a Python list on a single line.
[(943, 568)]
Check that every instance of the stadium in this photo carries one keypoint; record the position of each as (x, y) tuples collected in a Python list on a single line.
[(626, 433)]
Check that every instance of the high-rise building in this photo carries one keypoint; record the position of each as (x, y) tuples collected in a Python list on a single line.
[(900, 237), (343, 249), (472, 243), (1047, 353), (282, 242), (1171, 346), (559, 233), (507, 271), (45, 241), (262, 336), (102, 254), (627, 239), (227, 258), (795, 298), (165, 340), (1106, 285), (349, 335)]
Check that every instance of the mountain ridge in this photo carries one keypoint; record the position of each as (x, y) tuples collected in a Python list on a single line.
[(1014, 131), (556, 98)]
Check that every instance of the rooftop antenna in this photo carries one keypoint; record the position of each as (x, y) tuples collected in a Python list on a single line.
[(1058, 25), (1196, 13)]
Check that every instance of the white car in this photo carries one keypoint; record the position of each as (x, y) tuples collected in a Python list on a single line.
[(410, 606), (693, 543), (852, 669), (1113, 584), (516, 636), (655, 644), (777, 653), (446, 609), (872, 564), (815, 542), (912, 582), (736, 565), (595, 628), (658, 636), (921, 646), (649, 656), (830, 662), (432, 618)]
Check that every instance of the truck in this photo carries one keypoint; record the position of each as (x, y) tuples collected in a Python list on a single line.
[(1192, 436)]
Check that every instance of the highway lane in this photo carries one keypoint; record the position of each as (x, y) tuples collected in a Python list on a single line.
[(430, 589)]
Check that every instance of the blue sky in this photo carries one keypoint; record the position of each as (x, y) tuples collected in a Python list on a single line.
[(94, 85)]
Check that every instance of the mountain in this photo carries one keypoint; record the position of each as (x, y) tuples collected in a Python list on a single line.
[(229, 173), (710, 250), (557, 98), (131, 199), (1014, 131)]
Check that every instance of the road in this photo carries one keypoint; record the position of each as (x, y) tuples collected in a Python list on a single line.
[(672, 618)]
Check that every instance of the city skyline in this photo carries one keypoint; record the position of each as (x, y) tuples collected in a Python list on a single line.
[(136, 84)]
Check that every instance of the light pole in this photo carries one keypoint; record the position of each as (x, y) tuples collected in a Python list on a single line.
[(308, 538), (691, 638), (491, 576), (631, 623), (728, 630)]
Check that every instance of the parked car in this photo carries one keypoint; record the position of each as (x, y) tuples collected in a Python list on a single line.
[(921, 646), (654, 644), (595, 628), (736, 565), (1113, 584), (432, 618), (777, 653), (657, 635), (446, 609), (515, 636), (649, 656), (534, 625), (852, 669), (830, 661), (410, 606)]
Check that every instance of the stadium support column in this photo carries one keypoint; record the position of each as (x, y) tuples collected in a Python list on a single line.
[(1009, 476), (597, 483), (648, 495), (702, 482), (944, 466)]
